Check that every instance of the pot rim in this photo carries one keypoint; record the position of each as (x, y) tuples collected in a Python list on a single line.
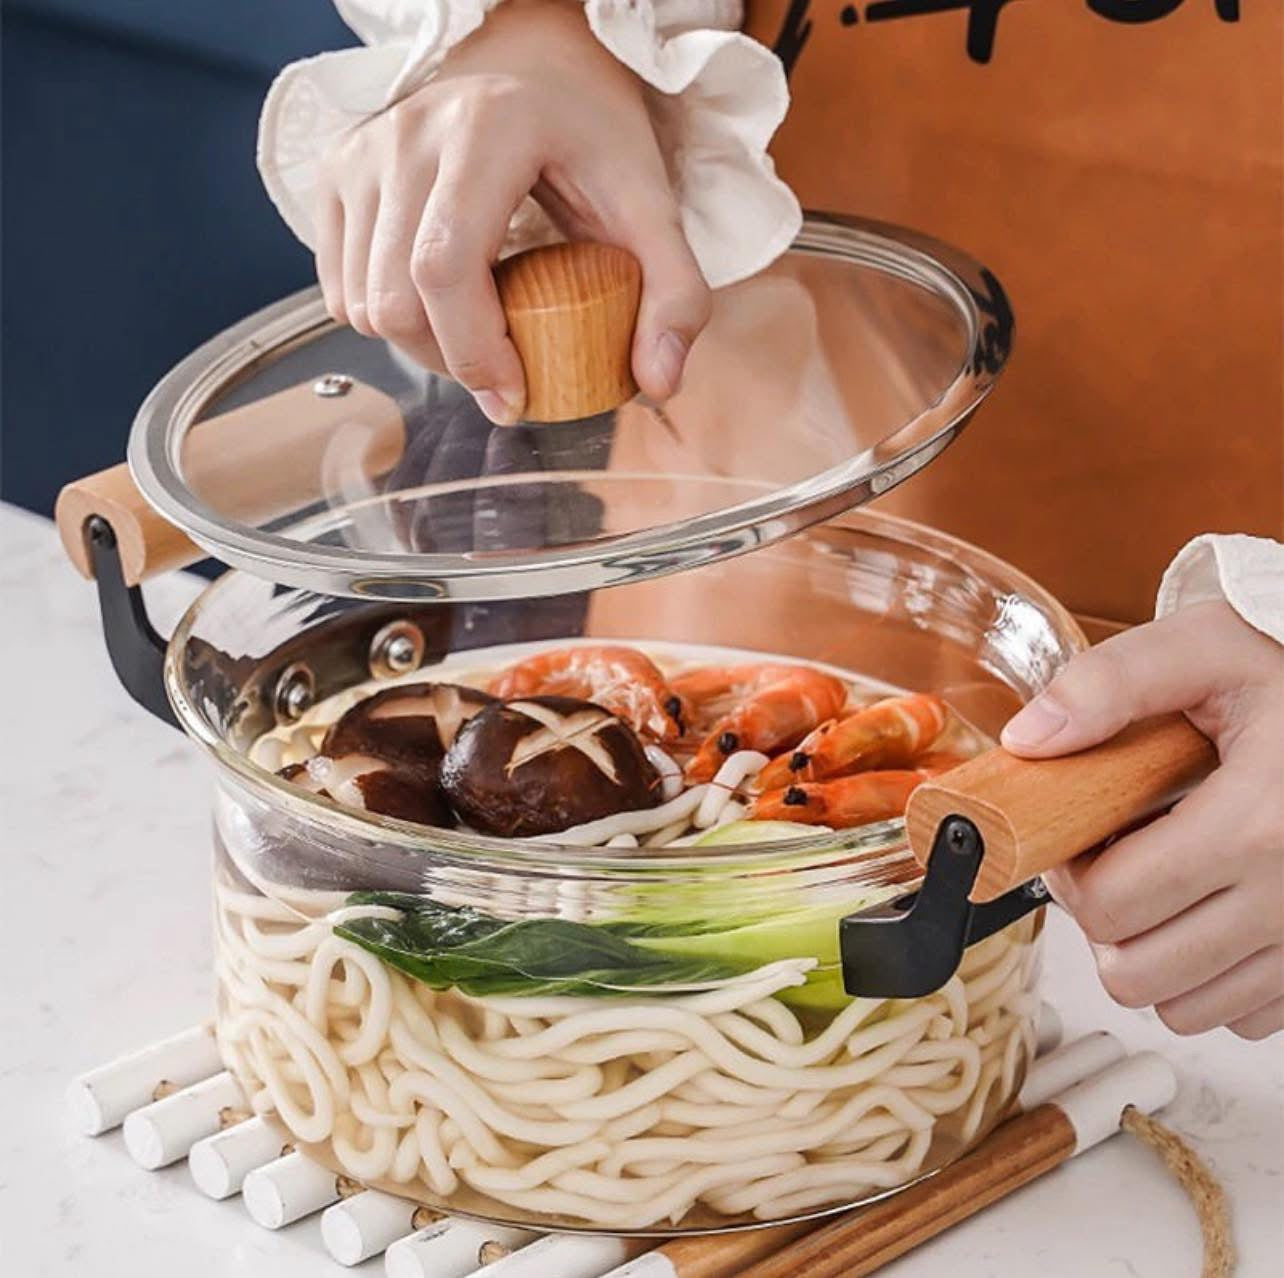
[(885, 837)]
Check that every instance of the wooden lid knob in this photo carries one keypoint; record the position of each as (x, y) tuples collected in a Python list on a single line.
[(571, 312)]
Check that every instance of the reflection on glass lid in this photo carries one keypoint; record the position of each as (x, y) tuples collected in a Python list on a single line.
[(824, 381)]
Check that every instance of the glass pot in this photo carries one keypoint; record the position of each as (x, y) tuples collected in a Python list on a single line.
[(577, 1100)]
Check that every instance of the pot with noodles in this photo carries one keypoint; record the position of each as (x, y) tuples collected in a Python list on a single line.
[(550, 759), (546, 929)]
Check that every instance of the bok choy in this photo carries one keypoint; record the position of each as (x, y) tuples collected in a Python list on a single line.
[(456, 946)]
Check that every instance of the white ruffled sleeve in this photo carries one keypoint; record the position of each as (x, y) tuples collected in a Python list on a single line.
[(717, 99), (1248, 572)]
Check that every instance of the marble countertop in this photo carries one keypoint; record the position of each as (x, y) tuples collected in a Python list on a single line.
[(104, 899)]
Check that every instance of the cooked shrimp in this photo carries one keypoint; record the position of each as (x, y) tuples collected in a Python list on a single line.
[(619, 679), (773, 706), (888, 734), (842, 803)]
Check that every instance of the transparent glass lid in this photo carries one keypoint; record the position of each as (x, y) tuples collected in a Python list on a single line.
[(827, 379)]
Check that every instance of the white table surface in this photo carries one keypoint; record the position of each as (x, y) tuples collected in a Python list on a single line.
[(104, 826)]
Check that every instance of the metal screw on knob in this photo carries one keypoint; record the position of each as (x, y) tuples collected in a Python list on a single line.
[(332, 385)]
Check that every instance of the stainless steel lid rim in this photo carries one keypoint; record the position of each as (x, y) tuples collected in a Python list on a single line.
[(156, 443), (634, 557), (465, 577)]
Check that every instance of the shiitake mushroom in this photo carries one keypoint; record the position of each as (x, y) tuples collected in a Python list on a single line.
[(371, 784), (535, 766), (384, 753), (410, 726)]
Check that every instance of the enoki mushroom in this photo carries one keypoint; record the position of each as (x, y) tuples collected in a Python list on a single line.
[(621, 1113)]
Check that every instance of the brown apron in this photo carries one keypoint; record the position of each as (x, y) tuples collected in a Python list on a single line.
[(1118, 164)]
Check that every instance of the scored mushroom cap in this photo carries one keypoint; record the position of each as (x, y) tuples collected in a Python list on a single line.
[(543, 764), (392, 793), (411, 725), (370, 784)]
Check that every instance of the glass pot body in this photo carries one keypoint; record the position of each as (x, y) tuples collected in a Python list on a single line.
[(639, 1109)]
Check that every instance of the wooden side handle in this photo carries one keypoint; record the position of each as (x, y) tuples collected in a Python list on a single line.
[(571, 312), (251, 464), (147, 544), (1034, 814)]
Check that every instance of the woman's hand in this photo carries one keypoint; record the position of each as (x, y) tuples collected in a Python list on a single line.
[(413, 206), (1187, 913)]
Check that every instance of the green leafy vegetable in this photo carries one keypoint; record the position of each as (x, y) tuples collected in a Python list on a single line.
[(652, 945), (803, 933), (736, 920), (453, 946)]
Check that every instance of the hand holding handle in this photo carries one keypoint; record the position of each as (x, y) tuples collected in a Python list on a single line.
[(571, 311), (1034, 814)]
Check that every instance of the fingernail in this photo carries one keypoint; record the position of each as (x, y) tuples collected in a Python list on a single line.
[(670, 356), (501, 411), (1060, 885), (1038, 722)]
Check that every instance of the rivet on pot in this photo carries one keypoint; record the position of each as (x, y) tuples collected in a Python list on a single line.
[(397, 649), (294, 692), (1037, 890), (332, 385)]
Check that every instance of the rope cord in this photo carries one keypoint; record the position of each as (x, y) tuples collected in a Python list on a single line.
[(1201, 1186)]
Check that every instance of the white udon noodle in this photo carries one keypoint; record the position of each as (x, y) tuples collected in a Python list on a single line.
[(623, 1112)]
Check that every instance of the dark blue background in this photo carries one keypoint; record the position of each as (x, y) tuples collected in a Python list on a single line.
[(134, 223)]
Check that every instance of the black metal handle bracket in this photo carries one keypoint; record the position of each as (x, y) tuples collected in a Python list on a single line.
[(137, 652), (910, 947)]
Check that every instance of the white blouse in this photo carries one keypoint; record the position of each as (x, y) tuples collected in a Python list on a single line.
[(1248, 572), (717, 97)]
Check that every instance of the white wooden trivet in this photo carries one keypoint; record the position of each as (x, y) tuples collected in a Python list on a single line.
[(175, 1100)]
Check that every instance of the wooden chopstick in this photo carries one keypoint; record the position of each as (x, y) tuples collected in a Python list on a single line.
[(721, 1255), (1019, 1151), (859, 1242)]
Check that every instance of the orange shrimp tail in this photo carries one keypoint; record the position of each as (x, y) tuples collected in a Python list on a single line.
[(619, 679), (888, 734), (842, 803), (706, 682), (786, 704)]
